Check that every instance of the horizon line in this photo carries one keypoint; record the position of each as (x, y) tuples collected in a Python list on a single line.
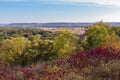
[(61, 22)]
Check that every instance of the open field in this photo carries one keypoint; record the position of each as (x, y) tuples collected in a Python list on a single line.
[(79, 31)]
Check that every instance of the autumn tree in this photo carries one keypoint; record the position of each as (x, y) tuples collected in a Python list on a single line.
[(14, 50), (98, 35), (43, 51), (64, 44)]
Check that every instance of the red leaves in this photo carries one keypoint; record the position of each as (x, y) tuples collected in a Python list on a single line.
[(58, 69), (13, 78), (95, 55)]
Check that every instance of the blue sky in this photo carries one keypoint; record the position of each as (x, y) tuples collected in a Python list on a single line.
[(27, 11)]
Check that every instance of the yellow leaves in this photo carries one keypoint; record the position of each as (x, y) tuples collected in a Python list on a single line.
[(100, 34), (34, 39), (112, 40), (53, 68), (14, 47), (65, 32), (64, 44)]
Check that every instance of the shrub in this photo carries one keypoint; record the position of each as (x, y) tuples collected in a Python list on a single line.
[(93, 57), (105, 71), (95, 64)]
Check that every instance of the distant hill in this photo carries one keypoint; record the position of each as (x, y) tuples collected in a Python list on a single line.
[(3, 24), (58, 24), (50, 24), (114, 23)]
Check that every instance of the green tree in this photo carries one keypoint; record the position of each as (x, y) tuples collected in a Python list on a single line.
[(14, 50), (98, 35), (112, 40), (34, 39), (64, 44), (43, 50)]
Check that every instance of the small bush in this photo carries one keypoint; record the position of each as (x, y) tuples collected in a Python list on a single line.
[(105, 71)]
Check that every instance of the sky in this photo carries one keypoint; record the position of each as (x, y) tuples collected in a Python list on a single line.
[(42, 11)]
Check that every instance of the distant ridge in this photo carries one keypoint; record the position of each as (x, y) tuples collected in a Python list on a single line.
[(113, 23), (60, 24), (55, 24)]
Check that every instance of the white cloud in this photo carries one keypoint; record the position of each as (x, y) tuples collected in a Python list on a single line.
[(11, 0), (100, 2)]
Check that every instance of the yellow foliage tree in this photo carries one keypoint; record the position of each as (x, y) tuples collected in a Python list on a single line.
[(14, 47), (64, 44)]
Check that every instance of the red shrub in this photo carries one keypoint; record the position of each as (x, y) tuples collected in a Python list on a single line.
[(93, 56), (59, 69)]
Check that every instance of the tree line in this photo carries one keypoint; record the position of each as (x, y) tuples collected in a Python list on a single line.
[(23, 46)]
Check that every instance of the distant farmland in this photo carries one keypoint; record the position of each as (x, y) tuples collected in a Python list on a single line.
[(79, 31)]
